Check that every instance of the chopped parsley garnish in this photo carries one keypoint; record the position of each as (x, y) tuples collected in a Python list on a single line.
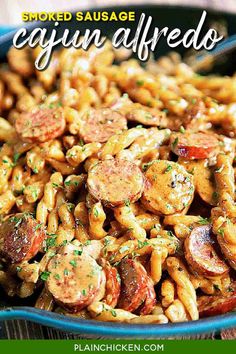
[(216, 286), (15, 158), (70, 207), (95, 212), (220, 169), (145, 166), (88, 242), (139, 82), (69, 183), (66, 272), (16, 220), (18, 269), (182, 129), (50, 241), (78, 252), (57, 277), (113, 312), (175, 142), (221, 232), (38, 226), (127, 202), (203, 221), (141, 244), (106, 241), (215, 195), (44, 275), (73, 263), (168, 168)]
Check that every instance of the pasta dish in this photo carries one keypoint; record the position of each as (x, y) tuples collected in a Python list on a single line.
[(117, 187)]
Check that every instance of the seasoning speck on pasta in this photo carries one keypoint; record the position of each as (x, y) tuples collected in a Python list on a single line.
[(117, 187)]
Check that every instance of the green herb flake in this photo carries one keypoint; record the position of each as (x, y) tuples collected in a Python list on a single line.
[(73, 263), (95, 212), (127, 202), (145, 166), (219, 170), (16, 158), (78, 252), (175, 142), (168, 168), (221, 232), (215, 195), (139, 82), (50, 241), (44, 275), (216, 286), (113, 312), (38, 226), (203, 221)]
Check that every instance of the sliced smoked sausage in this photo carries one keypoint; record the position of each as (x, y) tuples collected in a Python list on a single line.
[(100, 124), (115, 181), (200, 252), (150, 300), (194, 145), (133, 284), (40, 125), (21, 237), (112, 285), (168, 188), (74, 278), (217, 305)]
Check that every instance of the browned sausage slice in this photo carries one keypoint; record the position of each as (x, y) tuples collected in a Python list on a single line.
[(168, 188), (100, 124), (133, 285), (115, 181), (40, 125), (217, 305), (200, 253), (21, 237), (194, 145), (74, 278), (150, 300), (112, 285)]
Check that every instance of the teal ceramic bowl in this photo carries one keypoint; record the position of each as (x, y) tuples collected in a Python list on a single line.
[(171, 16)]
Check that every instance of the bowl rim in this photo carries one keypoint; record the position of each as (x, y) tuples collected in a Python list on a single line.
[(112, 329)]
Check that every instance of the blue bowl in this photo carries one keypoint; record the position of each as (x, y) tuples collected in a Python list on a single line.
[(172, 16)]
